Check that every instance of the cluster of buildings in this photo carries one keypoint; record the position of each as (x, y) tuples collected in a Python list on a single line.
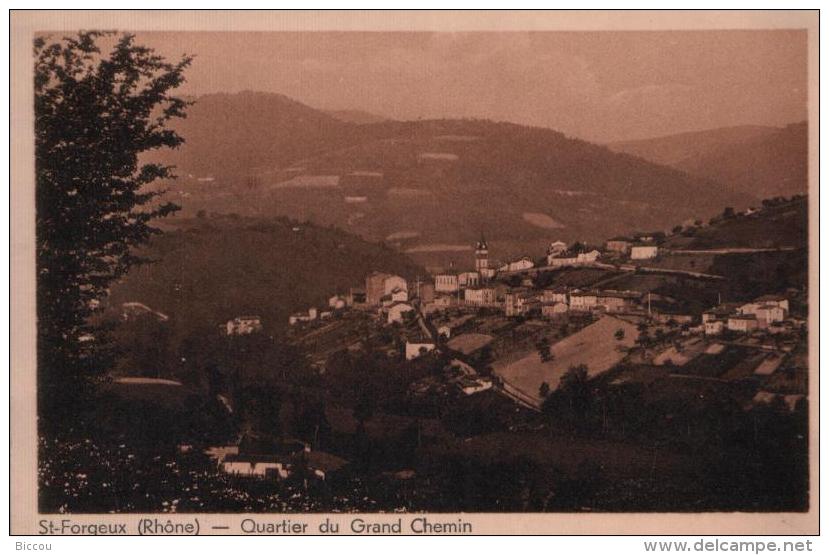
[(396, 299), (769, 312), (558, 301)]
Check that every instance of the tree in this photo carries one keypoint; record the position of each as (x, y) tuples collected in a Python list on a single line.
[(544, 390), (570, 403), (544, 352), (364, 410), (619, 334), (94, 115)]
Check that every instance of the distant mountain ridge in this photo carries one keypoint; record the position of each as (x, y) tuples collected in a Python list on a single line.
[(755, 160), (673, 150), (435, 181), (359, 117)]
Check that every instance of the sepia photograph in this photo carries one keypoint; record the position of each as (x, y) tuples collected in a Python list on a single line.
[(419, 270)]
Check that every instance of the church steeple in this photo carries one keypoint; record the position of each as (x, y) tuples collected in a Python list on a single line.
[(481, 246), (481, 254)]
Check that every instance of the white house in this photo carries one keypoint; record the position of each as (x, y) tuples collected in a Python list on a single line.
[(243, 325), (742, 323), (714, 327), (256, 466), (766, 313), (480, 296), (770, 313), (778, 300), (768, 309), (309, 316), (519, 265), (557, 247), (583, 301), (643, 252), (397, 312), (414, 350), (446, 283)]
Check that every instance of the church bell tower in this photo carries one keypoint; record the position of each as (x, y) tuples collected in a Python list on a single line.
[(481, 255)]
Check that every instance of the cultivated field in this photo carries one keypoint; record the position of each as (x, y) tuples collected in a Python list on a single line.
[(595, 346)]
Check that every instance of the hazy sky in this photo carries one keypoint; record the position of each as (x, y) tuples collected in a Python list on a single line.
[(600, 86)]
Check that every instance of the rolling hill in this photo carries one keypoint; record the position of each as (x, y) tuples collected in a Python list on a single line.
[(758, 161), (674, 150), (431, 186), (778, 224), (211, 269)]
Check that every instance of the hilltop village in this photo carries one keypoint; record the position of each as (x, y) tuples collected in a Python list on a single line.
[(575, 303)]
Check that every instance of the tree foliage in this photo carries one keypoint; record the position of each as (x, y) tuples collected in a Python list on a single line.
[(95, 114)]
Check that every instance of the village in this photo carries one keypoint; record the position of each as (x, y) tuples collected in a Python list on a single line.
[(518, 328), (422, 272)]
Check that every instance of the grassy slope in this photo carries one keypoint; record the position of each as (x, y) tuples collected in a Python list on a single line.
[(210, 270), (785, 225)]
